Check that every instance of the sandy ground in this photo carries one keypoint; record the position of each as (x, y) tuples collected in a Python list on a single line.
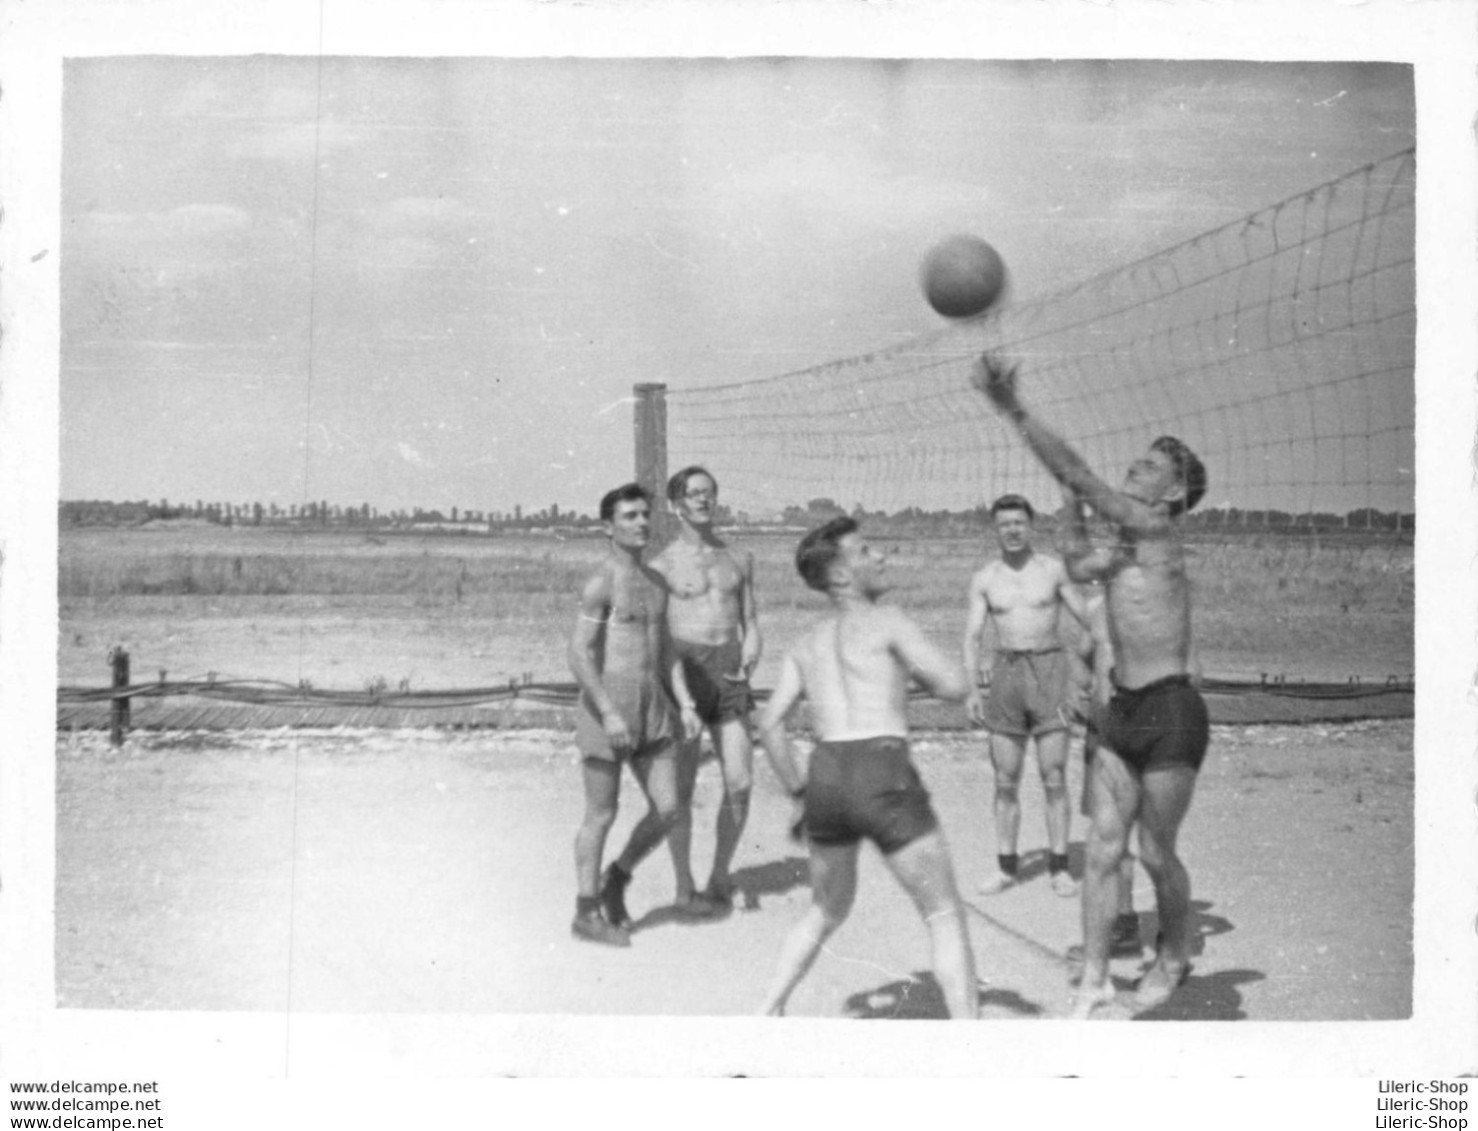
[(425, 871)]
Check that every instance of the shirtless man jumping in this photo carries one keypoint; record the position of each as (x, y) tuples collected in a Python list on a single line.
[(1154, 729), (1021, 594), (622, 659), (715, 631), (855, 668)]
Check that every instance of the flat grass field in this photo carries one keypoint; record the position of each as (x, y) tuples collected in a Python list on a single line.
[(345, 611), (424, 870)]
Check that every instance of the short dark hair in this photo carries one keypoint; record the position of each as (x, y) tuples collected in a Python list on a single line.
[(1013, 503), (626, 493), (818, 550), (1188, 469), (677, 486)]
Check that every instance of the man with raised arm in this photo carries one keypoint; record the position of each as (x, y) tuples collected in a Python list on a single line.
[(622, 659), (1021, 595), (855, 668), (715, 632), (1154, 730)]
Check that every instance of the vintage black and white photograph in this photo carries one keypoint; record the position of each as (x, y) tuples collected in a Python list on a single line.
[(770, 535)]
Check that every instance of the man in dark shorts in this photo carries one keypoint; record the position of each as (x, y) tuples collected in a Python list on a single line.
[(715, 630), (1154, 729), (622, 658), (855, 669), (1020, 595)]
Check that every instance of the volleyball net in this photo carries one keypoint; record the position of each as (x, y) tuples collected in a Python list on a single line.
[(1280, 347)]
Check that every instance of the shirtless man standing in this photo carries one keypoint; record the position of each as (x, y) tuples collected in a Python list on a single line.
[(855, 669), (622, 659), (1154, 729), (1022, 593), (715, 631)]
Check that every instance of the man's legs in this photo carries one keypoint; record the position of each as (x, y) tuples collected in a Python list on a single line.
[(833, 888), (1115, 798), (1007, 752), (736, 753), (1052, 761), (657, 776), (923, 868), (602, 781), (1166, 798), (680, 836)]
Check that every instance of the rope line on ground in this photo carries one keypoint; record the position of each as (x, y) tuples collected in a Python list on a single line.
[(278, 693)]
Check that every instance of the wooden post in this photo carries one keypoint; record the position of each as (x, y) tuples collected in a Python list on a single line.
[(649, 421), (119, 713)]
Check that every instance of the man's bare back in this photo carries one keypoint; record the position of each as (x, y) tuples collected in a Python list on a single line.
[(853, 676), (855, 668)]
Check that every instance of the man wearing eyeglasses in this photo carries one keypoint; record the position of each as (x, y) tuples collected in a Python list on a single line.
[(715, 631)]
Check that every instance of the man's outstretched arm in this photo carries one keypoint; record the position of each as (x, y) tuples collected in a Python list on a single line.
[(996, 379)]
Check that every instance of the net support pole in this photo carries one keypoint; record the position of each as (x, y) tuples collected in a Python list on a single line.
[(649, 421), (119, 716)]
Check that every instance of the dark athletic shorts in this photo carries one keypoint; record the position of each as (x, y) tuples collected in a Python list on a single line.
[(705, 667), (1161, 724), (866, 788), (649, 714), (1031, 693)]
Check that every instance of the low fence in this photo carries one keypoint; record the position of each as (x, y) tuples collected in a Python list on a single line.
[(235, 704)]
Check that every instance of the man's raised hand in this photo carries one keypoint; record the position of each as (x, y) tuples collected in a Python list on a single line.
[(996, 378)]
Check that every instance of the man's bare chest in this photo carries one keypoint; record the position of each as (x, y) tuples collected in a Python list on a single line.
[(696, 575)]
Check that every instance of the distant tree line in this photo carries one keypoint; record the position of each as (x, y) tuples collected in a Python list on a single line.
[(311, 515), (915, 520), (911, 520)]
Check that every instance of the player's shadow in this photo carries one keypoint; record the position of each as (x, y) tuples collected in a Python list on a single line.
[(920, 998), (1204, 925), (774, 878), (1209, 997)]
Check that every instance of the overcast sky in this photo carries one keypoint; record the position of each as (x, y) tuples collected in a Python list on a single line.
[(433, 282)]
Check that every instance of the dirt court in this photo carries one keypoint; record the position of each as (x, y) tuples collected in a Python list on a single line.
[(425, 871)]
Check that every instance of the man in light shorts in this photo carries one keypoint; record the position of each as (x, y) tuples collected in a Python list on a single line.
[(1030, 700), (622, 659)]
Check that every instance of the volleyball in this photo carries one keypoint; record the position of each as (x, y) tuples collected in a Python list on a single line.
[(961, 276)]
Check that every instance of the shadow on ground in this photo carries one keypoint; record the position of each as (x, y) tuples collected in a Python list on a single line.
[(919, 998), (1204, 925), (1212, 997), (774, 878)]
